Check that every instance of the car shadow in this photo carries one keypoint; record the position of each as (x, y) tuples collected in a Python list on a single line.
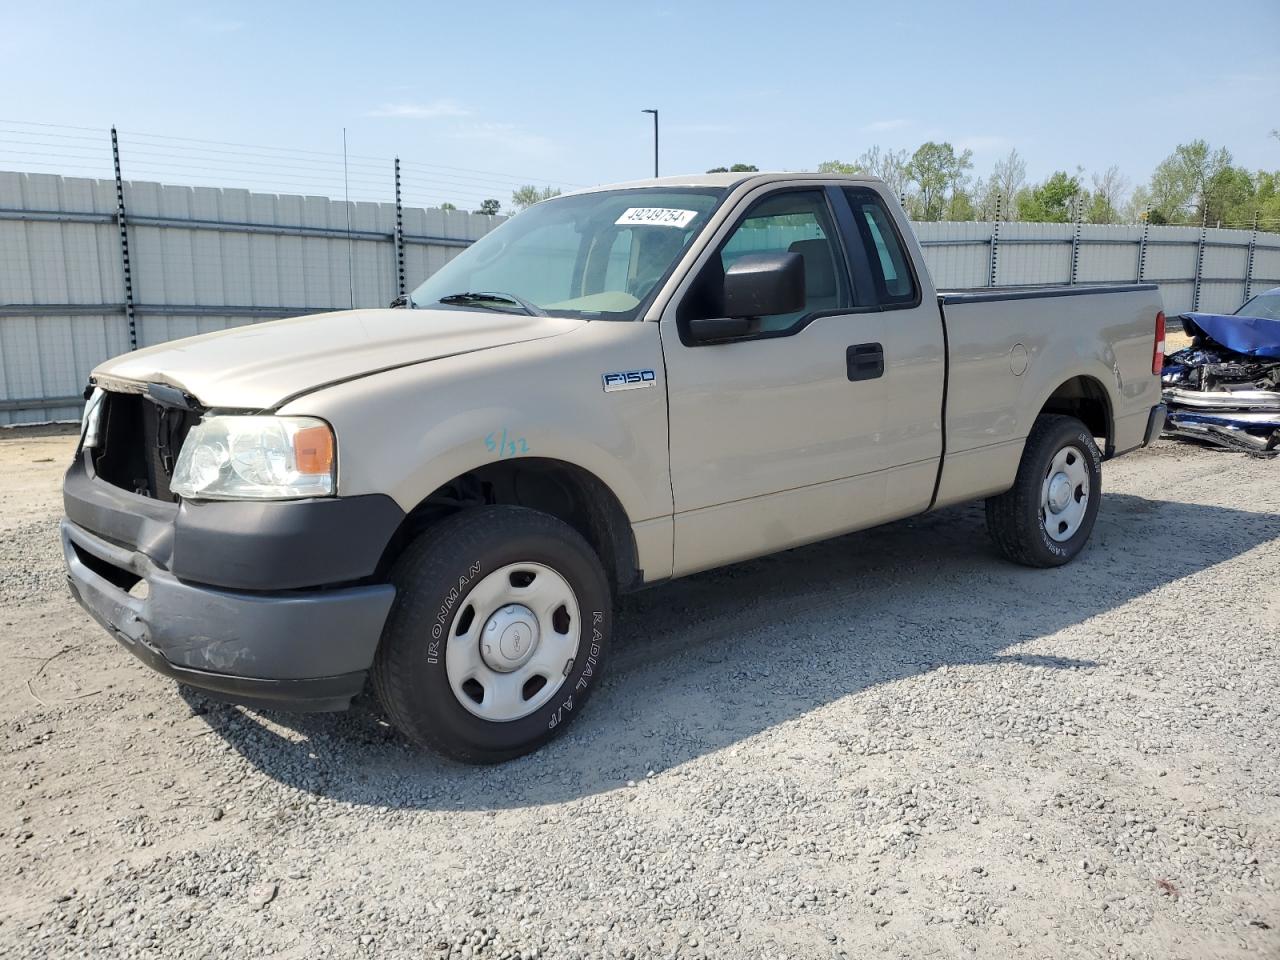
[(704, 663)]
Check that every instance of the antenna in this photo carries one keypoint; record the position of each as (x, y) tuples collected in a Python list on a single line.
[(346, 188)]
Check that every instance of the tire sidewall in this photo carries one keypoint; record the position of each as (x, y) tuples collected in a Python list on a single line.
[(1077, 435), (442, 594)]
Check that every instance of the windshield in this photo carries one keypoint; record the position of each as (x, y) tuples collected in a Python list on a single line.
[(1265, 305), (591, 255)]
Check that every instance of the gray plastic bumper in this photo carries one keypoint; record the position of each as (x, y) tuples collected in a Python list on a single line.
[(305, 650)]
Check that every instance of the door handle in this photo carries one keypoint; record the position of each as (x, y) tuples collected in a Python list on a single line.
[(865, 361)]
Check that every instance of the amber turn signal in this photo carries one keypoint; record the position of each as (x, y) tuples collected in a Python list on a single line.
[(313, 450)]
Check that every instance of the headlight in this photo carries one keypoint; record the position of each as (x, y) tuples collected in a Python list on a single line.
[(255, 458), (91, 421)]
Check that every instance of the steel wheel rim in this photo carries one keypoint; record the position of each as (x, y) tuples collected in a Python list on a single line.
[(1064, 494), (512, 642)]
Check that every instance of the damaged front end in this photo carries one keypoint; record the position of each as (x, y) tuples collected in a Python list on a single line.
[(1225, 388)]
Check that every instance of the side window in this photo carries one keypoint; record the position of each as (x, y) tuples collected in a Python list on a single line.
[(889, 266), (794, 221)]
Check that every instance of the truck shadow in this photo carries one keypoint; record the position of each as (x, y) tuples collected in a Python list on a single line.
[(704, 663)]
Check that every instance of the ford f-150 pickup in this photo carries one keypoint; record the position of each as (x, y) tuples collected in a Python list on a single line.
[(614, 388)]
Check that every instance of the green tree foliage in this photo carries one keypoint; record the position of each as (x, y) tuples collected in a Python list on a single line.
[(841, 168), (448, 206), (937, 173), (889, 165), (1109, 188), (489, 207), (994, 197), (1050, 201), (1183, 183), (1266, 198), (736, 168), (1195, 180), (1197, 183), (960, 206), (528, 195)]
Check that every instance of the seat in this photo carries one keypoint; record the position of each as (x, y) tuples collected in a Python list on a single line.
[(819, 274)]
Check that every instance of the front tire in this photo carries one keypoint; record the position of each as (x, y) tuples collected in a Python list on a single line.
[(497, 636), (1045, 519)]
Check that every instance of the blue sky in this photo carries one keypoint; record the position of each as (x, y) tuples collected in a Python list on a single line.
[(553, 92)]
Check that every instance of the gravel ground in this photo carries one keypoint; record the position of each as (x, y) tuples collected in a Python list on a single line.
[(890, 744)]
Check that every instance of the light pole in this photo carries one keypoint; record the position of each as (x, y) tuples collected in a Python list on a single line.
[(655, 139)]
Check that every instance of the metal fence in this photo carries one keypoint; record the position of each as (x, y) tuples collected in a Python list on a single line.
[(94, 268), (1197, 268), (89, 271)]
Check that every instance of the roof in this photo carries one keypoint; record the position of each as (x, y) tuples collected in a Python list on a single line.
[(726, 180)]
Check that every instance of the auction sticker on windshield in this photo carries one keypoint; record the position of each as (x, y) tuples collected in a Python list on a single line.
[(657, 216)]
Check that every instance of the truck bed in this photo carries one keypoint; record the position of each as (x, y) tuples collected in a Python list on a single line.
[(1010, 350)]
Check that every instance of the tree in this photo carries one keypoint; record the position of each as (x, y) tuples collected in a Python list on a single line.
[(1265, 201), (985, 195), (1050, 201), (1135, 211), (1108, 195), (448, 206), (489, 207), (1228, 194), (889, 165), (528, 195), (1181, 183), (960, 206), (736, 168), (839, 167), (937, 171), (1008, 176)]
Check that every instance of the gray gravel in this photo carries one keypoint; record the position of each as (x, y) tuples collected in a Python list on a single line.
[(891, 744)]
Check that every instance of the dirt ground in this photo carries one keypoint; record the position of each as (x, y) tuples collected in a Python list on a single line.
[(891, 744)]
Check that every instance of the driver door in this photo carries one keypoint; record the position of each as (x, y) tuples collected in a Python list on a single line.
[(779, 437)]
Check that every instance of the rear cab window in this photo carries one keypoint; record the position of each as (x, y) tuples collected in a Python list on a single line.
[(890, 267)]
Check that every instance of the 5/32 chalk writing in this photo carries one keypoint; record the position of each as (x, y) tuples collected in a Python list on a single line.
[(504, 445)]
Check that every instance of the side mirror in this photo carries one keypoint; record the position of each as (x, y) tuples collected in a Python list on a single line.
[(755, 285), (760, 284)]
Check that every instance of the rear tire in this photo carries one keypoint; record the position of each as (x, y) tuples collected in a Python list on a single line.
[(1045, 519), (497, 636)]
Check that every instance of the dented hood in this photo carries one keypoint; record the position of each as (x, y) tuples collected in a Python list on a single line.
[(260, 366)]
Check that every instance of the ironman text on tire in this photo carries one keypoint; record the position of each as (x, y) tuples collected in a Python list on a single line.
[(497, 636)]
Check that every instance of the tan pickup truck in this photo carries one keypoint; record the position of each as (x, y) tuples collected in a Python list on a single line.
[(613, 388)]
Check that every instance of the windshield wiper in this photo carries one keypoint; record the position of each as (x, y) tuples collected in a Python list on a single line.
[(404, 301), (480, 298)]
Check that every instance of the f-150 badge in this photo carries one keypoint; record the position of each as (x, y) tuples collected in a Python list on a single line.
[(627, 380)]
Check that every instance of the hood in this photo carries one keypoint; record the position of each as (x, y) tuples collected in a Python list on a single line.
[(1252, 336), (259, 366)]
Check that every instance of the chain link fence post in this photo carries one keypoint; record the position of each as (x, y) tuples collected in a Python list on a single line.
[(400, 291), (1253, 246), (993, 255), (1142, 246), (1204, 231), (122, 222), (1075, 242)]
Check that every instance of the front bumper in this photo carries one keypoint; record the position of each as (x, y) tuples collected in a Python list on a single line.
[(297, 650)]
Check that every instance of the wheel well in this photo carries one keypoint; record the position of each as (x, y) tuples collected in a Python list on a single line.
[(564, 490), (1085, 399)]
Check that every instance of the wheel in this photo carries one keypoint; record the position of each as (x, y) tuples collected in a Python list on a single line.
[(1045, 519), (497, 636)]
